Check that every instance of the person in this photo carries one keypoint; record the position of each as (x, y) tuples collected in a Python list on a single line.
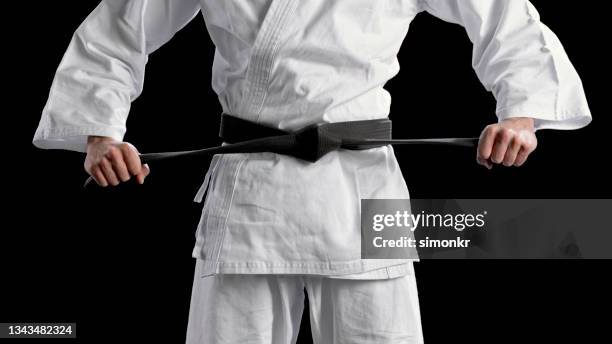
[(273, 225)]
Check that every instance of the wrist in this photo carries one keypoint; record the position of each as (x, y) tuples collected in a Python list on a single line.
[(92, 139), (520, 122)]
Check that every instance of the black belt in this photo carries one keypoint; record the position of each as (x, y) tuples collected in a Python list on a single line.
[(309, 143)]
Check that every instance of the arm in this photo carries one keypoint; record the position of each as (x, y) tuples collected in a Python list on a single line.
[(522, 62), (101, 73)]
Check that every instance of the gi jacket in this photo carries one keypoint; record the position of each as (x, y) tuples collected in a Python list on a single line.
[(288, 64)]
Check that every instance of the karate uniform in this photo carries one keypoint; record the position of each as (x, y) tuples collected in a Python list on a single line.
[(288, 64)]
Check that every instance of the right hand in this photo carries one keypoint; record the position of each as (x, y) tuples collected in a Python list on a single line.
[(110, 162)]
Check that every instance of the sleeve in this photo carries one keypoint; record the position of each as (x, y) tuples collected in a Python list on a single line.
[(520, 60), (102, 70)]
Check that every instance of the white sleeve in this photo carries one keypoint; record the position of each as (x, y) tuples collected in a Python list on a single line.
[(520, 60), (102, 71)]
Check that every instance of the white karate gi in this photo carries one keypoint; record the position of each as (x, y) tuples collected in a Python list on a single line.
[(287, 64)]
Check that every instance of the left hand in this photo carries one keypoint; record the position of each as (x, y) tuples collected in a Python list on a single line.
[(509, 142)]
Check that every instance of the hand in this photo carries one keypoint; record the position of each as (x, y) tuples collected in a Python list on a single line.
[(110, 162), (509, 142)]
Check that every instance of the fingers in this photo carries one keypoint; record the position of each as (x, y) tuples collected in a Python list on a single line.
[(511, 153), (134, 164), (119, 165), (98, 176), (132, 159), (486, 163), (500, 144), (126, 163), (113, 163), (528, 145), (502, 141), (521, 157), (143, 174), (109, 173), (485, 144)]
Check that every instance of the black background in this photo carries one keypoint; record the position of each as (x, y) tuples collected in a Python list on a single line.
[(118, 261)]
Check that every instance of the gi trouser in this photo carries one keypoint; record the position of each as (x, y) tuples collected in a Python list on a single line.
[(268, 308)]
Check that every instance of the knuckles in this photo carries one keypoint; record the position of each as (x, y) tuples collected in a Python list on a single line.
[(125, 147), (531, 145), (113, 153), (498, 139), (106, 156), (506, 134), (491, 127)]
